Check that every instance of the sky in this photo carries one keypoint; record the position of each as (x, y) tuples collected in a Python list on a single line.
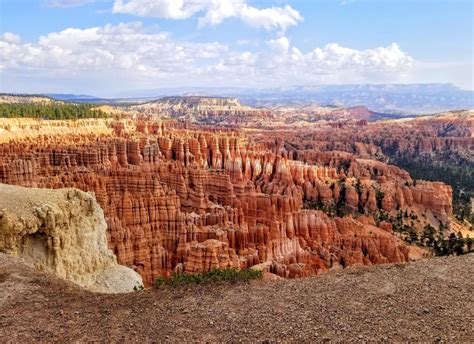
[(109, 47)]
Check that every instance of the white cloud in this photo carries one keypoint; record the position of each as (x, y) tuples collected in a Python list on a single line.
[(280, 45), (214, 12), (68, 3), (124, 47), (113, 58), (10, 37), (334, 63), (271, 18)]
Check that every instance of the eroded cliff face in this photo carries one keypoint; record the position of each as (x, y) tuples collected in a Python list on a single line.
[(438, 147), (65, 231), (179, 199), (447, 133), (206, 110)]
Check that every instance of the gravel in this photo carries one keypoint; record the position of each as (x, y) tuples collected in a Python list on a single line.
[(429, 300)]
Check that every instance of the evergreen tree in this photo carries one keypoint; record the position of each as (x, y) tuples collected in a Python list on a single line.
[(53, 110)]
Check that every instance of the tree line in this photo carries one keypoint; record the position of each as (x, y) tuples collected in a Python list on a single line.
[(48, 111)]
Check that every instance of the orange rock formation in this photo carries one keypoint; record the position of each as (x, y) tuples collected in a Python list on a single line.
[(178, 199)]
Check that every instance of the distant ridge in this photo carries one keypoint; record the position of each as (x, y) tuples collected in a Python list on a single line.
[(397, 99), (386, 98), (74, 97)]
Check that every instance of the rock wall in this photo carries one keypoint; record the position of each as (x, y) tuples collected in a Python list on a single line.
[(63, 230)]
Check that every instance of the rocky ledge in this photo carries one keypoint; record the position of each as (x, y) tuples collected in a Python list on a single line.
[(64, 231)]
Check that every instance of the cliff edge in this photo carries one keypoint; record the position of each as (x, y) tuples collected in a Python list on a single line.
[(428, 301), (63, 230)]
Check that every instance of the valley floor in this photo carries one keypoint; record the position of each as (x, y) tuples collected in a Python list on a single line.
[(429, 300)]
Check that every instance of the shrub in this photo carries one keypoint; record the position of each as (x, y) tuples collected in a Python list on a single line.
[(230, 275), (138, 287), (379, 195), (469, 243)]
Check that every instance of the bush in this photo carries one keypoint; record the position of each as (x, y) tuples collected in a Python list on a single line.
[(231, 275), (379, 195)]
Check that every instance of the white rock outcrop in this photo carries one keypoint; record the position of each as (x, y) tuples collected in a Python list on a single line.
[(63, 230)]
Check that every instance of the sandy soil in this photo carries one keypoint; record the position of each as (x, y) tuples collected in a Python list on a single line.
[(430, 300)]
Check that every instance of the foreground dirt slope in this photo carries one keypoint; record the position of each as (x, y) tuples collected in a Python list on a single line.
[(428, 300)]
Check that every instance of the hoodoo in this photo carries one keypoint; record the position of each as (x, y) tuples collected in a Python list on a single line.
[(194, 199)]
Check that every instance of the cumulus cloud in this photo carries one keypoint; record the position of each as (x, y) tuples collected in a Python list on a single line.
[(10, 37), (213, 12), (119, 48), (334, 63), (129, 55), (280, 45)]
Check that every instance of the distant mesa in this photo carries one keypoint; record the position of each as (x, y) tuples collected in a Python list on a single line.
[(24, 99), (206, 110)]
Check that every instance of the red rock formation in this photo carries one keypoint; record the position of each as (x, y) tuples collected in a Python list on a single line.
[(181, 199)]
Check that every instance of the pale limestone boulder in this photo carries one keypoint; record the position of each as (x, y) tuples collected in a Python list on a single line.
[(63, 230)]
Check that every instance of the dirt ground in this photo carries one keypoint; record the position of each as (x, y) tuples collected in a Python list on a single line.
[(429, 300)]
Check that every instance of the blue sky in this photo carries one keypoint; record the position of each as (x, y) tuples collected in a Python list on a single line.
[(121, 45)]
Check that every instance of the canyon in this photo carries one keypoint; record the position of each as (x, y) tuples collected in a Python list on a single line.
[(204, 171), (183, 194)]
